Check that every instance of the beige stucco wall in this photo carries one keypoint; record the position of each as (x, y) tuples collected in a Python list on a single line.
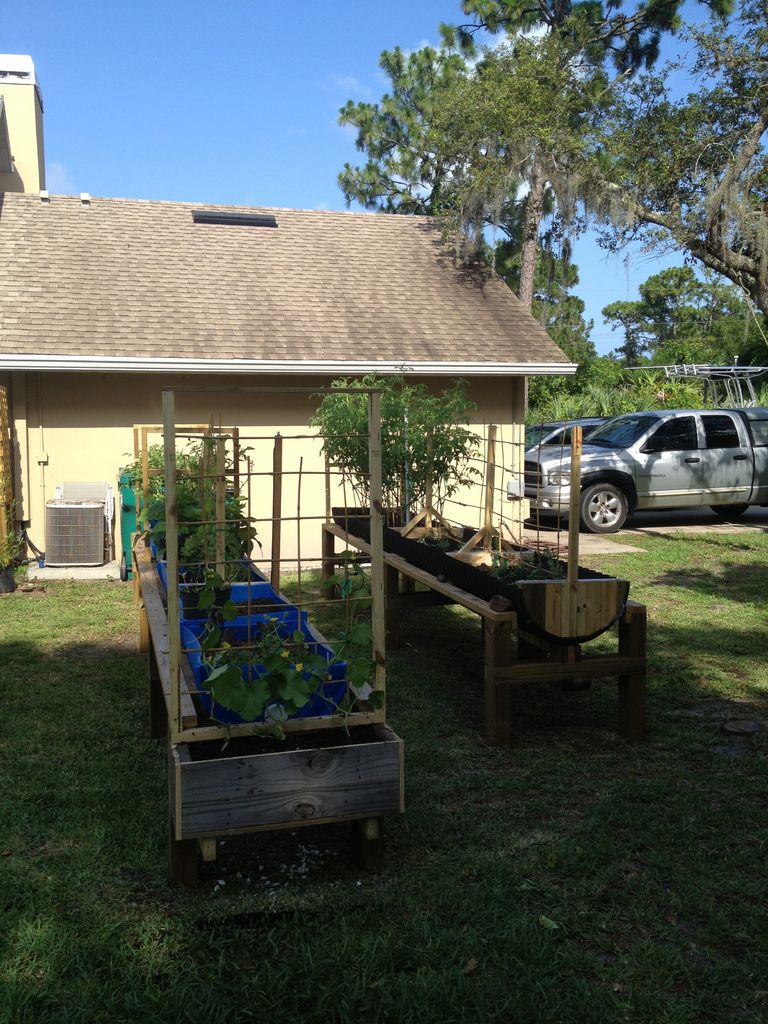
[(74, 427), (24, 115)]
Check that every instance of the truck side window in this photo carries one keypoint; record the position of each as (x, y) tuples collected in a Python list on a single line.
[(720, 432), (676, 435)]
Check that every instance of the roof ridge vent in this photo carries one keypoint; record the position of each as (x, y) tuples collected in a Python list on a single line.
[(252, 220), (85, 198)]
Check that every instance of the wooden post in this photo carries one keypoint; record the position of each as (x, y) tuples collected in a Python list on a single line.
[(145, 643), (428, 484), (378, 604), (182, 860), (498, 699), (221, 526), (172, 555), (277, 511), (573, 529), (144, 479), (327, 488), (391, 595), (298, 534), (632, 644), (327, 570), (490, 484), (236, 460), (369, 843), (158, 714)]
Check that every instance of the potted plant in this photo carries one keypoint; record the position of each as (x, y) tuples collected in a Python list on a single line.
[(11, 548), (426, 442)]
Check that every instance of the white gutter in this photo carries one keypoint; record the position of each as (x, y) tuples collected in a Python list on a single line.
[(318, 367)]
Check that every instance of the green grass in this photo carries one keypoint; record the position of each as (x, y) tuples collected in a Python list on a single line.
[(570, 878)]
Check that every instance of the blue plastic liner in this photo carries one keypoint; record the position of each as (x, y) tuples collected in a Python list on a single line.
[(323, 701), (240, 593), (256, 575)]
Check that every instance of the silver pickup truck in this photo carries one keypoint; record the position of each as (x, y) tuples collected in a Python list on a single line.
[(675, 458)]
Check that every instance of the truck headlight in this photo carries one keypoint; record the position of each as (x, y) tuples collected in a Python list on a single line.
[(559, 478)]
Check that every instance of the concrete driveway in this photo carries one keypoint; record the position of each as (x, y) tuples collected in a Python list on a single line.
[(650, 524)]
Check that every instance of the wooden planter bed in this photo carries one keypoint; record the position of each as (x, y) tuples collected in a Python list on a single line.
[(257, 785), (515, 653)]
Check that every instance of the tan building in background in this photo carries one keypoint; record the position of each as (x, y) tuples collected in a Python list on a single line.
[(104, 302)]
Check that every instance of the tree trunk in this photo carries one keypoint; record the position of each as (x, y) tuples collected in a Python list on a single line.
[(534, 210)]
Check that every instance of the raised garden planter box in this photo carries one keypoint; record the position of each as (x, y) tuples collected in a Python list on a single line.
[(545, 607), (304, 779)]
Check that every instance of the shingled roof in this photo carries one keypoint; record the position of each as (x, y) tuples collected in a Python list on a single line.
[(133, 284)]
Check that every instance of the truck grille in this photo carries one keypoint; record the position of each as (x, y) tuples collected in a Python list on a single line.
[(532, 476)]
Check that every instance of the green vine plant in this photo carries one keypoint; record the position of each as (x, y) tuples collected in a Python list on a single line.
[(276, 674), (11, 544), (536, 565), (196, 513), (427, 437)]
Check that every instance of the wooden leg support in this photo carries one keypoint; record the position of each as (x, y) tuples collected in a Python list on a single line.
[(498, 699), (207, 849), (369, 843), (158, 712), (391, 593), (327, 571), (144, 639), (632, 641), (182, 859)]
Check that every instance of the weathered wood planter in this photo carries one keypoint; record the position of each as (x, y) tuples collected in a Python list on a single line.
[(549, 631), (253, 785), (338, 761), (553, 609)]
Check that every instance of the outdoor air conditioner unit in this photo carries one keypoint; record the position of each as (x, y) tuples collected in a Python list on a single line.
[(74, 532)]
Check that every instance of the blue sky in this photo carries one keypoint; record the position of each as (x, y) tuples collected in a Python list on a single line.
[(236, 103)]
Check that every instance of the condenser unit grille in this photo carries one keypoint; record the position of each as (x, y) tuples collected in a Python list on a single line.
[(74, 533)]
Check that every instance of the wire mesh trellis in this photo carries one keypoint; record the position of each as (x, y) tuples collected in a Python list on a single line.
[(229, 519)]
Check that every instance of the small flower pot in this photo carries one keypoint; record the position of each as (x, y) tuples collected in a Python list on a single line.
[(7, 580)]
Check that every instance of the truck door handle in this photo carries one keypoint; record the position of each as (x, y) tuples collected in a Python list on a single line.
[(693, 460), (739, 458)]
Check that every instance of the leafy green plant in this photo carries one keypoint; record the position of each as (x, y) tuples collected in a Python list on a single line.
[(277, 671), (11, 544), (187, 461), (423, 435), (196, 513), (534, 565)]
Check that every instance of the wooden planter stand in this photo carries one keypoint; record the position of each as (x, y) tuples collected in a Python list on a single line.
[(319, 777), (512, 656)]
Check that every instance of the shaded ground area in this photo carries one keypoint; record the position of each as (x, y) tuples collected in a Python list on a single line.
[(570, 878)]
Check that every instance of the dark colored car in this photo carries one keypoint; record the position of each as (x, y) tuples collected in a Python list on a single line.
[(558, 433)]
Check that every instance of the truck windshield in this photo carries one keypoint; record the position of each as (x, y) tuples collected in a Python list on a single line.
[(535, 434), (622, 431)]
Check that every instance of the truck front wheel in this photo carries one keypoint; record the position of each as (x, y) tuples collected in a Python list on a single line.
[(603, 508)]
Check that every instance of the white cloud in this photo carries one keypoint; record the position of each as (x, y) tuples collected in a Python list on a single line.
[(350, 86), (58, 181)]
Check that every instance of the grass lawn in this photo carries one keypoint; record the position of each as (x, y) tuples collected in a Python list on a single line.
[(571, 878)]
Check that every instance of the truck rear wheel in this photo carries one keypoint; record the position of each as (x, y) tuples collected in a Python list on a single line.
[(603, 508), (729, 512)]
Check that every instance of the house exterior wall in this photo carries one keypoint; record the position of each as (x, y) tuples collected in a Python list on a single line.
[(77, 427)]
